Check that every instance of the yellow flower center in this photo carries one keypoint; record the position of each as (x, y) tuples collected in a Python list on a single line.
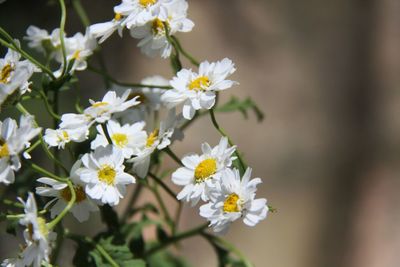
[(42, 226), (6, 73), (99, 104), (76, 55), (107, 174), (146, 3), (205, 169), (117, 16), (200, 83), (158, 27), (231, 203), (4, 152), (152, 138), (120, 139)]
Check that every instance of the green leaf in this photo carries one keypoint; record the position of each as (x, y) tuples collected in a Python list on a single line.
[(166, 259), (235, 104)]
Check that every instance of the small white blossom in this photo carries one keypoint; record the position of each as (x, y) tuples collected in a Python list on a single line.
[(106, 29), (60, 137), (234, 198), (61, 193), (104, 176), (127, 138), (198, 90), (101, 111), (14, 74), (13, 140), (200, 172), (37, 235), (153, 34)]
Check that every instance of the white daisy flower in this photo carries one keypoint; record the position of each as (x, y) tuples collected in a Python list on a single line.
[(153, 34), (127, 138), (101, 111), (159, 139), (11, 262), (78, 48), (13, 140), (62, 195), (200, 172), (14, 74), (62, 136), (139, 12), (104, 176), (37, 235), (232, 199), (106, 29), (198, 90), (38, 39)]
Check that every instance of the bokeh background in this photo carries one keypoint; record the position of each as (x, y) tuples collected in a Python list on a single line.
[(327, 76)]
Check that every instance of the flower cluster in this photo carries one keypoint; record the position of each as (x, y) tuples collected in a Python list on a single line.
[(121, 139)]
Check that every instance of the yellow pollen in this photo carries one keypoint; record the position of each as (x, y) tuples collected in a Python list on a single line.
[(200, 83), (6, 73), (205, 169), (146, 3), (76, 54), (4, 152), (231, 203), (120, 139), (79, 192), (99, 104), (157, 26), (152, 138), (117, 16), (42, 226), (107, 174)]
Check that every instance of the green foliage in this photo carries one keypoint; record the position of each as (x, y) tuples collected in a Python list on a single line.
[(235, 104)]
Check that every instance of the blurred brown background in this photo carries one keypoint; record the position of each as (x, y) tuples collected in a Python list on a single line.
[(327, 76)]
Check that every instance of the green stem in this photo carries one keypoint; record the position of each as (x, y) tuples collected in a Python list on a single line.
[(183, 52), (13, 204), (105, 130), (131, 203), (177, 217), (176, 238), (162, 205), (32, 147), (44, 172), (163, 185), (96, 245), (70, 204), (81, 12), (222, 132), (62, 32), (15, 47), (90, 68), (218, 240), (48, 107), (23, 110), (172, 155)]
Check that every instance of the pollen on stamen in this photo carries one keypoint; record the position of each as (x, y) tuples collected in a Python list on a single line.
[(205, 170), (118, 16), (152, 138), (231, 203), (147, 3), (99, 104), (6, 73), (120, 139), (107, 174), (200, 83), (4, 151)]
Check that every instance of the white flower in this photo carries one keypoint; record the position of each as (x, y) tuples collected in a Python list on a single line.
[(198, 90), (139, 12), (13, 140), (200, 172), (104, 176), (101, 111), (153, 34), (62, 195), (159, 139), (106, 29), (233, 199), (62, 136), (37, 235), (11, 262), (14, 74), (78, 48), (127, 138), (39, 39)]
